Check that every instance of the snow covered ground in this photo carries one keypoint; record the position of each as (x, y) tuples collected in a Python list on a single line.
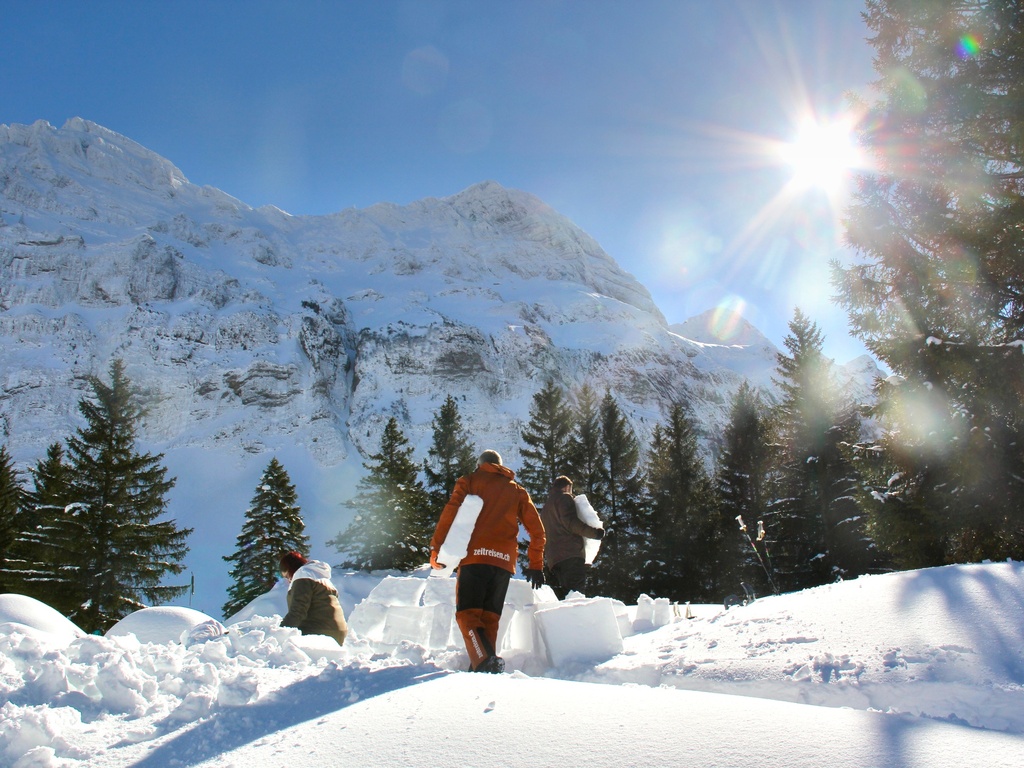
[(923, 668)]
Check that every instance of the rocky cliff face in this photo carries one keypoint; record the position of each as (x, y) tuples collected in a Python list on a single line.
[(247, 326)]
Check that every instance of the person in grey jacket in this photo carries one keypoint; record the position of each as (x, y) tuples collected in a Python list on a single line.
[(313, 605), (564, 561)]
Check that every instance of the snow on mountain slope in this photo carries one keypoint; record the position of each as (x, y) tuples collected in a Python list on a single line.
[(253, 333)]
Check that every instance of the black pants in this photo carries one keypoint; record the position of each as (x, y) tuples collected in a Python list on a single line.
[(481, 586), (569, 575), (479, 599)]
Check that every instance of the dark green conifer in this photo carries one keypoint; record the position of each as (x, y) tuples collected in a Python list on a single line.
[(45, 541), (117, 495), (393, 521), (743, 480), (937, 293), (450, 456), (587, 452), (12, 517), (547, 438), (682, 514), (813, 528), (273, 526), (616, 570)]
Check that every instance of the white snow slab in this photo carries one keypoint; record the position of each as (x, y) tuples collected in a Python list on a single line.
[(407, 623), (586, 512), (367, 620), (456, 543), (439, 591), (398, 591), (580, 631), (520, 594)]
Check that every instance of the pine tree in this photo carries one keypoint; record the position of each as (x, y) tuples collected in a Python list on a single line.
[(12, 516), (616, 571), (680, 528), (393, 520), (46, 541), (812, 524), (587, 454), (938, 293), (547, 437), (273, 526), (116, 495), (743, 478), (450, 456)]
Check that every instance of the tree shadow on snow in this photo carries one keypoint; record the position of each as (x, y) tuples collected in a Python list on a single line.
[(984, 604), (332, 690)]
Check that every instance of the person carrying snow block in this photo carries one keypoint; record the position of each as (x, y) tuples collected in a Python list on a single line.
[(485, 571), (564, 556), (313, 605)]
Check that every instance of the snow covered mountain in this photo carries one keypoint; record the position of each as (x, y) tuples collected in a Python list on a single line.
[(254, 333)]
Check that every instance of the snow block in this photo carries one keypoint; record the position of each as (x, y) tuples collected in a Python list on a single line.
[(623, 618), (518, 632), (409, 623), (580, 630), (404, 609), (438, 591), (520, 594), (643, 621), (398, 590), (441, 626), (662, 614), (367, 620)]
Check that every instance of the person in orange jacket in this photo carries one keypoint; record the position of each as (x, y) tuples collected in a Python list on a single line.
[(490, 560)]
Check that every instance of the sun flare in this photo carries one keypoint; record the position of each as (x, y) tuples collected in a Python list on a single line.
[(822, 154)]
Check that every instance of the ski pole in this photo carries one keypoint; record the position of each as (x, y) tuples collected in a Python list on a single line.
[(767, 554), (760, 529)]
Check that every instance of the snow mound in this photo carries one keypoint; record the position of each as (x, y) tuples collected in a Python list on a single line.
[(29, 612), (163, 624)]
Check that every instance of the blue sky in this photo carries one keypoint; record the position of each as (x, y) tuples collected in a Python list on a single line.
[(649, 123)]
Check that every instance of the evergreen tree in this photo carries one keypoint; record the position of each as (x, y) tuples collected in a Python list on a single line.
[(393, 520), (587, 454), (743, 479), (122, 551), (273, 526), (616, 572), (813, 526), (12, 506), (547, 438), (938, 293), (680, 529), (450, 456), (46, 539)]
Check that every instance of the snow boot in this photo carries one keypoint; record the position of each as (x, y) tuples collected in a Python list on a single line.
[(495, 665)]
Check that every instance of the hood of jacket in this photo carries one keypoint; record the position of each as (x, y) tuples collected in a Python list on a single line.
[(315, 570)]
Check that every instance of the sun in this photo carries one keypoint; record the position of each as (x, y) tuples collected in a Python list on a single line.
[(822, 154)]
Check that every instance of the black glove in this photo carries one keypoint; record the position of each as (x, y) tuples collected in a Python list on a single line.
[(535, 577), (600, 534)]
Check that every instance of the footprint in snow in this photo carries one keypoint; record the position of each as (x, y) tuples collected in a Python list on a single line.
[(489, 708)]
